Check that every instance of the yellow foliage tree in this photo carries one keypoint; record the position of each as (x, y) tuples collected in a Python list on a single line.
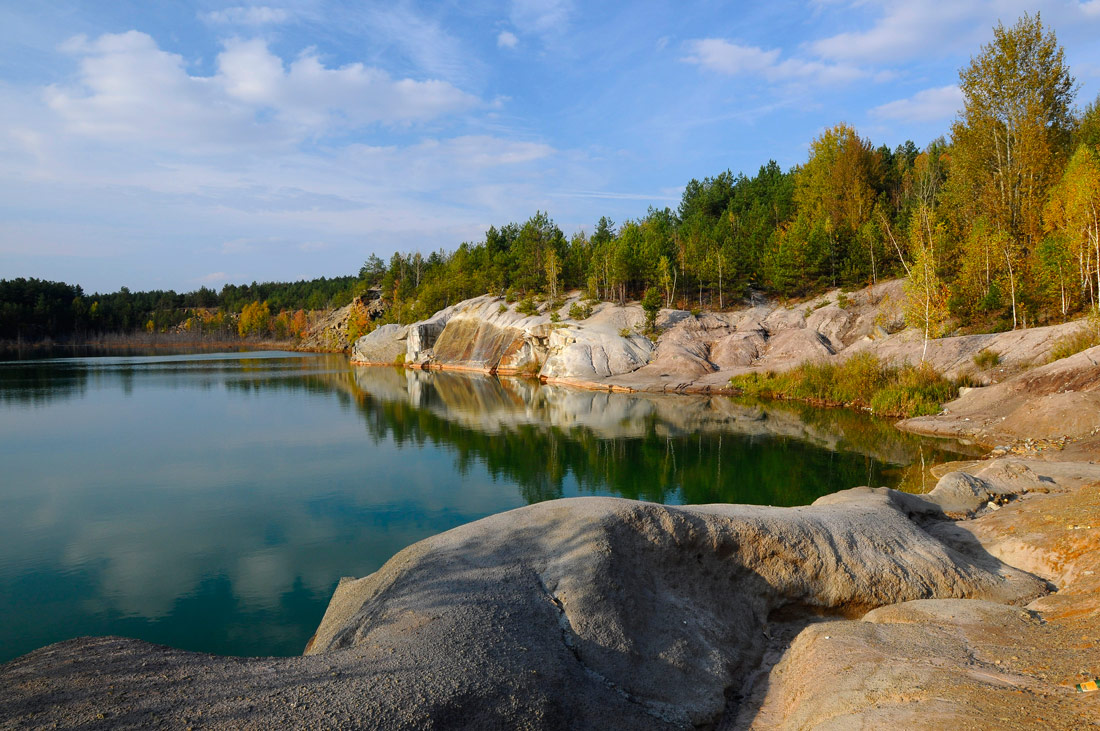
[(1074, 211), (255, 319), (1011, 138)]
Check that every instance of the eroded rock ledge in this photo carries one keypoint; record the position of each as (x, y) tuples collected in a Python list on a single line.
[(694, 352), (610, 613)]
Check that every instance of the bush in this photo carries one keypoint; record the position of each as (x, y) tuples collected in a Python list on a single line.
[(987, 359), (503, 308), (862, 381), (579, 311), (625, 332), (695, 312), (400, 359), (555, 317), (527, 307)]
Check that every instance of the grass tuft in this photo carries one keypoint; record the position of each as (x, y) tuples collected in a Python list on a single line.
[(1074, 343), (987, 359)]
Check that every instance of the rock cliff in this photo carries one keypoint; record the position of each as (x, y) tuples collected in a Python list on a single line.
[(693, 353)]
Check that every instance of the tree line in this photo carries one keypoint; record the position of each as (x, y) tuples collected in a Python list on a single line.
[(33, 308), (994, 226)]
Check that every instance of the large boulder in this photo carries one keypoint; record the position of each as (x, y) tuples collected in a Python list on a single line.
[(589, 354), (669, 607), (384, 345)]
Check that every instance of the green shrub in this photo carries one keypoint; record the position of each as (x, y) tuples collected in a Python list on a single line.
[(987, 359), (625, 332), (842, 301), (862, 381), (510, 295), (580, 311), (503, 308), (527, 307), (555, 317), (400, 359), (695, 312)]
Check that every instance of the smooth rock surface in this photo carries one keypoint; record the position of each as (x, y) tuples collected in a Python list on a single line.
[(685, 593), (385, 345), (950, 663)]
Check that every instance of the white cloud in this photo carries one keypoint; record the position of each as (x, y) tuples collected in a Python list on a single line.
[(728, 58), (316, 96), (732, 59), (929, 105), (906, 30), (423, 40), (128, 88), (247, 15), (541, 16), (507, 39)]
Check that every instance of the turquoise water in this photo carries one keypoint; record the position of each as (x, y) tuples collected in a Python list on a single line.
[(212, 501)]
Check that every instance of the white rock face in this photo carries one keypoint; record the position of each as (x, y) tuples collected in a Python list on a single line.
[(594, 352), (383, 345), (697, 352), (487, 334)]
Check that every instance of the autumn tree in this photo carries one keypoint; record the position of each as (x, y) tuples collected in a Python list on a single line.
[(1011, 138), (1074, 212), (255, 319), (836, 191)]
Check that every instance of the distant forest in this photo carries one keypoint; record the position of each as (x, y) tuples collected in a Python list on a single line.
[(33, 308), (995, 227)]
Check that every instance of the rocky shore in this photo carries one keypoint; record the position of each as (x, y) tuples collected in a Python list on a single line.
[(973, 606), (694, 353)]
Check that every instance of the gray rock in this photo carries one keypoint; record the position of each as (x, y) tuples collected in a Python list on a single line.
[(383, 345), (961, 493), (686, 593)]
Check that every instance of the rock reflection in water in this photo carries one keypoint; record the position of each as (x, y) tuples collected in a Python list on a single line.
[(668, 448)]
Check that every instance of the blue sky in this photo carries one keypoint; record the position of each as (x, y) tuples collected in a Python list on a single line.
[(173, 144)]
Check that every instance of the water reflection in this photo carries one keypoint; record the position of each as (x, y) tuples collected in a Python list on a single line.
[(667, 448), (212, 501)]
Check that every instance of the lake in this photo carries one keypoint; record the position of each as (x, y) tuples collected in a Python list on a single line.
[(212, 501)]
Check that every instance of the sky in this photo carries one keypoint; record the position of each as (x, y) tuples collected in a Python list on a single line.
[(163, 144)]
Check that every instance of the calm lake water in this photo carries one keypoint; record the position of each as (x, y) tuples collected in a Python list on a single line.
[(212, 501)]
